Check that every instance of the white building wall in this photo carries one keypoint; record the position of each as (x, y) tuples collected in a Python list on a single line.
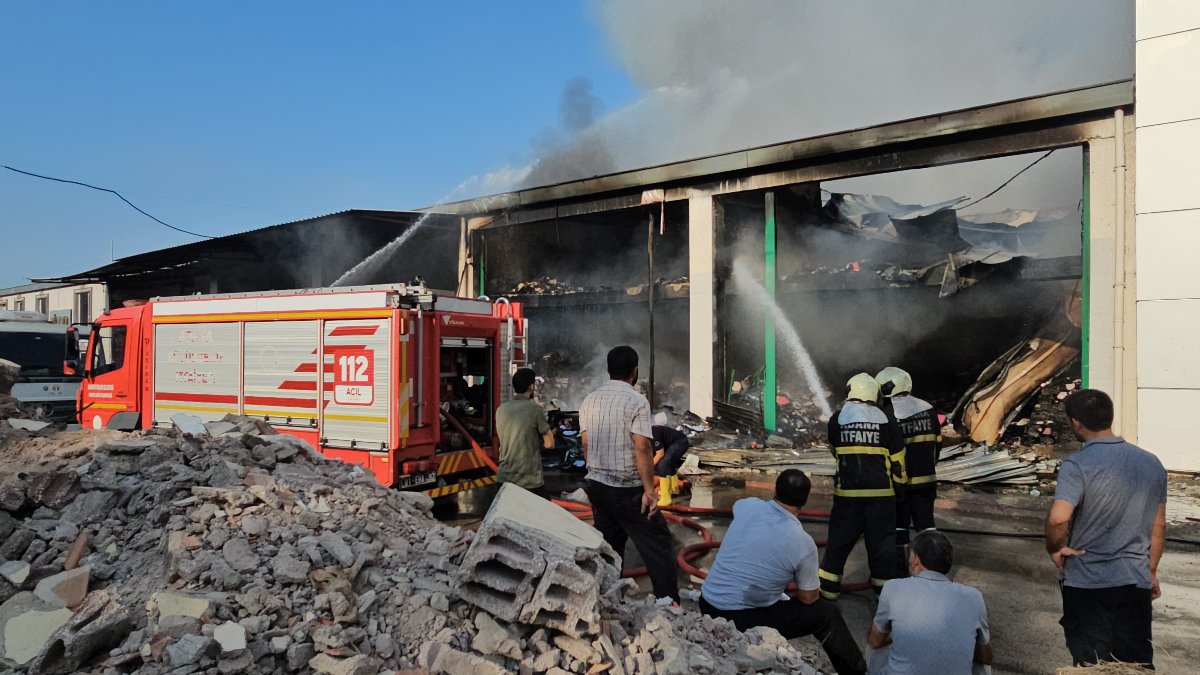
[(62, 302), (1168, 230)]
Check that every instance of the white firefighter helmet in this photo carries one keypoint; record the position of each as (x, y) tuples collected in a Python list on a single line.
[(900, 380), (863, 387)]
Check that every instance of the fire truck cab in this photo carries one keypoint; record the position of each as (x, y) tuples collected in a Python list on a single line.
[(364, 374)]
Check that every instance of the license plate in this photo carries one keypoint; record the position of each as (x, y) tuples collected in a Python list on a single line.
[(414, 479)]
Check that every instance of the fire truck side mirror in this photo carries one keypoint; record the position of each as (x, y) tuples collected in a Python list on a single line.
[(71, 367)]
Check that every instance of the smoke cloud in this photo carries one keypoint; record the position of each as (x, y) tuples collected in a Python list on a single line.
[(720, 76)]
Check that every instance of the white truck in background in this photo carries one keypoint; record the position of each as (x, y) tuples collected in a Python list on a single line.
[(42, 349)]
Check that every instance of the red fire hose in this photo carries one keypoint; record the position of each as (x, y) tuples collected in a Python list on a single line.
[(688, 554)]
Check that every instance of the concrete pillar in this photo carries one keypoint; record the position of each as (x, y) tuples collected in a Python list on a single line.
[(1105, 282), (702, 307)]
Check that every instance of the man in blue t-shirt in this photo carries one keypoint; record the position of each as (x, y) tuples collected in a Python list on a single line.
[(927, 623), (1105, 533), (765, 549)]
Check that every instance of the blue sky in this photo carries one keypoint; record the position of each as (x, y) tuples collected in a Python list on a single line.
[(221, 117), (224, 116)]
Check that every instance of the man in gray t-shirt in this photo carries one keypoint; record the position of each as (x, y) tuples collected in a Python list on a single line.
[(1105, 533)]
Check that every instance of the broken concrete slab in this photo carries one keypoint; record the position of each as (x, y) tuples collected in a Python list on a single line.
[(16, 571), (54, 489), (219, 427), (65, 589), (192, 649), (90, 507), (27, 624), (99, 624), (231, 637), (355, 665), (179, 604), (493, 638), (189, 425), (336, 547), (453, 662), (27, 425)]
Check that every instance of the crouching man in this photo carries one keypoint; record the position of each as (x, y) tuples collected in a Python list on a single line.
[(765, 549), (931, 624)]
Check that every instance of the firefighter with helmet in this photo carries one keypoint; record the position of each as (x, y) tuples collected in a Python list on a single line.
[(869, 450), (922, 444)]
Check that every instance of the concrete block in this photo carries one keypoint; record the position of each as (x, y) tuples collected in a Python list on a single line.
[(533, 561), (566, 599)]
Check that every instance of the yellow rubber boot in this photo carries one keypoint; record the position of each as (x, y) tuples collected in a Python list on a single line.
[(664, 492)]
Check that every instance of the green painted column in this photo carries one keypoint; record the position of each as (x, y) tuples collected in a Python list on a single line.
[(769, 386)]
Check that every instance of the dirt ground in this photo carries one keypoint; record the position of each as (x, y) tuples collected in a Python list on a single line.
[(1015, 575)]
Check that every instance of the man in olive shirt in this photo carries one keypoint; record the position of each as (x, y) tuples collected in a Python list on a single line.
[(523, 430)]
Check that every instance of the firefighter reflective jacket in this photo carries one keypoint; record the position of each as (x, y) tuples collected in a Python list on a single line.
[(922, 439), (869, 450)]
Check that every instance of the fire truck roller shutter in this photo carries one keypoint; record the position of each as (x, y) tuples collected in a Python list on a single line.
[(357, 384), (196, 370), (280, 383)]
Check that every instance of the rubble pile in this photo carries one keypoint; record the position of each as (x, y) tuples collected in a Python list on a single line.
[(231, 548), (1042, 425)]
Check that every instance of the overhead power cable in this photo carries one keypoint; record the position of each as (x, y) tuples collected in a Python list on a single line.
[(119, 196), (1005, 183)]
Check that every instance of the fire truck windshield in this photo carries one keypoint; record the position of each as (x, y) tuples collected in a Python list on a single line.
[(38, 354)]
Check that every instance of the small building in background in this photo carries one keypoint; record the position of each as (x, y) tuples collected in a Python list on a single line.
[(64, 303)]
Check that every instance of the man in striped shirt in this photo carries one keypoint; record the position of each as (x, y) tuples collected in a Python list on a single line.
[(617, 442)]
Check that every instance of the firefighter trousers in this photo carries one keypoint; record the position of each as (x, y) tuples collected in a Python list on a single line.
[(914, 511), (874, 519)]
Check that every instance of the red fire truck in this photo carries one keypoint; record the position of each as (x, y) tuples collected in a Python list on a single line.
[(364, 374)]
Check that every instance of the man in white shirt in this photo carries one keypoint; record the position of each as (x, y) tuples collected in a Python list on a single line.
[(928, 623), (765, 549)]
